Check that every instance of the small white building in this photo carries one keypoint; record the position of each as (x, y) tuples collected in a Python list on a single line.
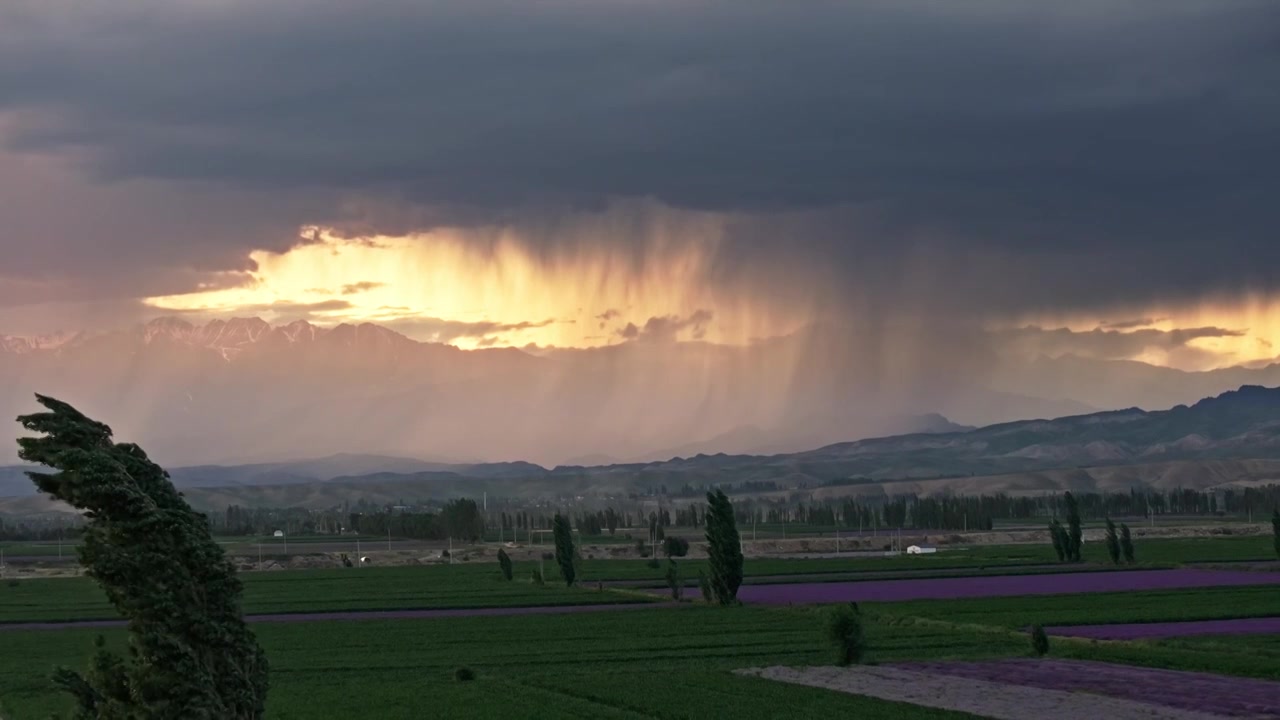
[(278, 533), (921, 549)]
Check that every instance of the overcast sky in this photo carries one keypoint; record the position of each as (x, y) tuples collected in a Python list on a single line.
[(959, 160)]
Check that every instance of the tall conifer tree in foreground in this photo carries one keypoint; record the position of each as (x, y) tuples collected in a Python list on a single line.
[(724, 548), (191, 654)]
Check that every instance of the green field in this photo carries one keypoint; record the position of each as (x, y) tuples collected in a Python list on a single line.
[(668, 663), (639, 664), (294, 591)]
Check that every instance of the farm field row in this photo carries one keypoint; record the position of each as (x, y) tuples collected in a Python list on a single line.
[(479, 585), (296, 591), (1215, 548), (642, 663)]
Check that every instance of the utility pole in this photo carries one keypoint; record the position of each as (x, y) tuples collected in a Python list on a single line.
[(259, 556)]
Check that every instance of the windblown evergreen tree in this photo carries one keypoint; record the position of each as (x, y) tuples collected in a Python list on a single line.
[(1126, 543), (724, 548), (191, 655), (564, 547), (1113, 542)]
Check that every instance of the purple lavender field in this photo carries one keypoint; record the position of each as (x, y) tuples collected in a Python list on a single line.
[(998, 586), (1203, 692), (1138, 631)]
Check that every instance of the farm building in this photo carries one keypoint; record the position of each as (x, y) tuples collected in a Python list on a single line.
[(921, 549)]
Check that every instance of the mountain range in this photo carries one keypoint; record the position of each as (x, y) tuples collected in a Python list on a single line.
[(1229, 439), (244, 391)]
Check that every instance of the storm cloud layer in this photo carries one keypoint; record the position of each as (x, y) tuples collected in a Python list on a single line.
[(939, 159)]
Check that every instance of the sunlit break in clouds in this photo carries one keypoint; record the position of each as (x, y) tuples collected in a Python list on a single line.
[(482, 288)]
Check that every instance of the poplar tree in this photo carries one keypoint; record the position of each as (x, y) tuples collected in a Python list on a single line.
[(724, 548), (191, 656), (1075, 535), (1275, 529), (564, 547)]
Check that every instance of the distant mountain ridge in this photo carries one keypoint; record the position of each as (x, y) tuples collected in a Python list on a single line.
[(1235, 435)]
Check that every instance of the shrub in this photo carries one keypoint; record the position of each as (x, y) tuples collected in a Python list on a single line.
[(844, 628), (536, 577), (346, 561), (642, 549), (1039, 641), (1113, 542), (675, 547), (504, 561), (1126, 543), (1059, 537), (704, 585), (464, 674), (653, 563)]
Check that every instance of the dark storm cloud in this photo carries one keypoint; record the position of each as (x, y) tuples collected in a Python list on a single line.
[(664, 329), (1033, 154), (1129, 324), (363, 286), (1106, 344)]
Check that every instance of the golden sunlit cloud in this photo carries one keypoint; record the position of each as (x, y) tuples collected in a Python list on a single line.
[(481, 288), (1251, 325)]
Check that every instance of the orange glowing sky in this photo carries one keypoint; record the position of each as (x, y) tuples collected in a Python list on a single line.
[(579, 297), (1253, 318)]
